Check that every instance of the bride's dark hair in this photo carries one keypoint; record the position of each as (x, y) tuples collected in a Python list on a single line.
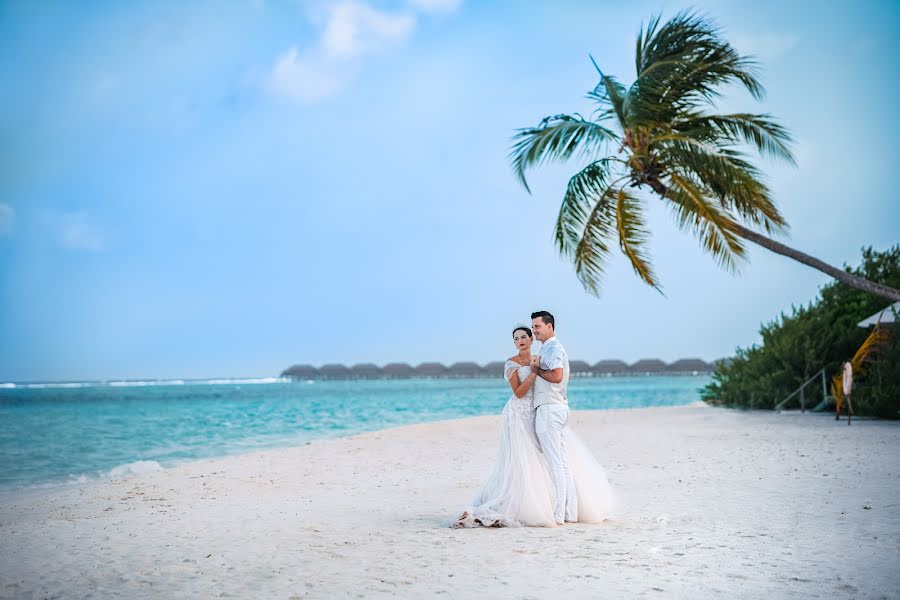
[(523, 328)]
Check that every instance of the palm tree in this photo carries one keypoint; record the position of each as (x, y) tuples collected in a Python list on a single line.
[(667, 141)]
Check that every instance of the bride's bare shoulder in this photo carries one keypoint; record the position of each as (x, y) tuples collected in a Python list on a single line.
[(513, 359)]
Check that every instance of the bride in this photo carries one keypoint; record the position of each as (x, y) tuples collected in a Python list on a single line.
[(519, 492)]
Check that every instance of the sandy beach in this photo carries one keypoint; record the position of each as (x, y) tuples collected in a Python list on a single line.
[(714, 503)]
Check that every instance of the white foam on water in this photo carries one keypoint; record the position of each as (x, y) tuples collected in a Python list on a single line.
[(52, 385), (147, 383), (256, 380), (134, 468)]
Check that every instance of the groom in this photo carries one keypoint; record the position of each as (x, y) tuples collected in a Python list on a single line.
[(552, 406)]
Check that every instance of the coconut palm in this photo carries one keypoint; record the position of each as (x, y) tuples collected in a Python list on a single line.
[(660, 135)]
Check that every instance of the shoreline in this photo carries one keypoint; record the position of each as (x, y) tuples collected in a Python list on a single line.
[(713, 502)]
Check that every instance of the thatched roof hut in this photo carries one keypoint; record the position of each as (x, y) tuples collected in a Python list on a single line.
[(579, 368), (431, 369), (365, 371), (334, 371), (648, 365), (465, 369), (608, 367), (398, 371), (689, 365), (493, 369), (301, 372)]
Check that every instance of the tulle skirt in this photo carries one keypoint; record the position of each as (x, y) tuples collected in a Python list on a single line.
[(518, 492)]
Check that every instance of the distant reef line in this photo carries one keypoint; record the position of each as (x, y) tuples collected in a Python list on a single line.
[(578, 368)]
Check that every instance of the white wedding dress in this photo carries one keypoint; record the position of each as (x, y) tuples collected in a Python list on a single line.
[(518, 491)]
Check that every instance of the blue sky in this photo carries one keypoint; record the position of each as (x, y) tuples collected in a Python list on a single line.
[(195, 189)]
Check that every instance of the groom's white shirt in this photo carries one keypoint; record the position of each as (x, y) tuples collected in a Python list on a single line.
[(553, 356)]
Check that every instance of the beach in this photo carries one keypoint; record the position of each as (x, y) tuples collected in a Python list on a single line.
[(713, 503)]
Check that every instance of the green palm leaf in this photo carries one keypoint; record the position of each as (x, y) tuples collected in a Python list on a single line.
[(732, 180), (761, 131), (696, 214), (585, 189), (593, 251), (557, 138), (633, 236)]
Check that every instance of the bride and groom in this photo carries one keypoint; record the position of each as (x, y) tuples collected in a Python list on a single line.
[(544, 474)]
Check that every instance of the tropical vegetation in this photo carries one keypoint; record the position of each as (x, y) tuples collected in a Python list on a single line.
[(823, 334)]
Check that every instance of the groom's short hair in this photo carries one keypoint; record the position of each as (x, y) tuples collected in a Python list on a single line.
[(546, 317)]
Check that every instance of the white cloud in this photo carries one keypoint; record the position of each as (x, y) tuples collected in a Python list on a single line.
[(303, 77), (74, 231), (355, 28), (766, 46), (436, 5), (7, 218), (351, 31)]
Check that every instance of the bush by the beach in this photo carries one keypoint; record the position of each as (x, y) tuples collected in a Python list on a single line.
[(823, 334)]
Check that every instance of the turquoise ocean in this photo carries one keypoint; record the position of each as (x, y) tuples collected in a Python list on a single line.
[(74, 433)]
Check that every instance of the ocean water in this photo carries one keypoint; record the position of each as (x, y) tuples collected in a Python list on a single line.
[(64, 434)]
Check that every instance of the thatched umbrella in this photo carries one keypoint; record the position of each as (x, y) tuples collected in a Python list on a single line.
[(465, 369), (431, 369), (301, 372), (648, 365), (493, 369), (579, 368), (609, 367), (334, 371), (365, 371), (398, 371), (689, 365)]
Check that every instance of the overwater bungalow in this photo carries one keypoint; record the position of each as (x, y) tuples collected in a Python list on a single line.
[(648, 366), (493, 369), (689, 365), (579, 368), (465, 369), (398, 371), (365, 371), (431, 369), (610, 367), (301, 372), (334, 371)]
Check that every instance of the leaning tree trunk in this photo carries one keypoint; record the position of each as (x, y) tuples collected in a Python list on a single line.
[(839, 274), (777, 247)]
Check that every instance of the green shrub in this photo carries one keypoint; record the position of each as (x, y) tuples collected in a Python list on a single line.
[(823, 334)]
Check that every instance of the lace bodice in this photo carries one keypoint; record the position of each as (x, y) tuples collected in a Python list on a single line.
[(523, 406)]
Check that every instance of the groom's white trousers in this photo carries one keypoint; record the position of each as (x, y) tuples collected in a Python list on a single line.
[(550, 427)]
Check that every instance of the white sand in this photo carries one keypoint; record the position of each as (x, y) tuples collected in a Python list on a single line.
[(715, 503)]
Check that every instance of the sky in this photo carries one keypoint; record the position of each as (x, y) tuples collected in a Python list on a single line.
[(204, 188)]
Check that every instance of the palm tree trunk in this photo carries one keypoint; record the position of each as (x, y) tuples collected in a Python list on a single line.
[(850, 279), (839, 274)]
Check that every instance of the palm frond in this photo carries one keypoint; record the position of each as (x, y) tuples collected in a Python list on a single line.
[(695, 213), (761, 131), (610, 95), (633, 236), (584, 190), (727, 175), (594, 248), (556, 138), (682, 65)]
